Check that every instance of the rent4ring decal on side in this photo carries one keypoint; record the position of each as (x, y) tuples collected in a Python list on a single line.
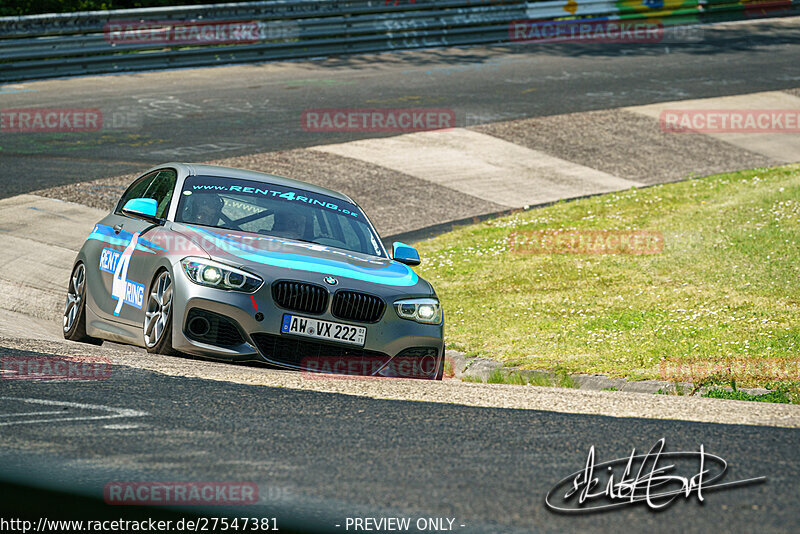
[(122, 290), (108, 260)]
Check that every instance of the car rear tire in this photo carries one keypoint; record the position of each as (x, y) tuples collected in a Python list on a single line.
[(74, 327), (157, 327)]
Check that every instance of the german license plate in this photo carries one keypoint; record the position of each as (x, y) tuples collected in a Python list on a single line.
[(316, 328)]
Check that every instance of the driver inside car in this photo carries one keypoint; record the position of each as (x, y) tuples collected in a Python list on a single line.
[(204, 209), (289, 224)]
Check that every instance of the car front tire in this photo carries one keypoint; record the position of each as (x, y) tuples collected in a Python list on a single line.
[(157, 328)]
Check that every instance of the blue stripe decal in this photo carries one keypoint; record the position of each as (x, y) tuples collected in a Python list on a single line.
[(106, 234), (394, 274)]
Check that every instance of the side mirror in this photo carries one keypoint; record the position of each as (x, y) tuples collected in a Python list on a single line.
[(405, 253), (141, 208)]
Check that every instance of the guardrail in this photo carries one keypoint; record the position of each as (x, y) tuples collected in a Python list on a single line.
[(52, 45)]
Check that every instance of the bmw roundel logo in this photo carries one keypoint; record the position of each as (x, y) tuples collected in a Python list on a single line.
[(331, 280)]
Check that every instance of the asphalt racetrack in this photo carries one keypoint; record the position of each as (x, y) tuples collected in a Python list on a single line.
[(319, 458)]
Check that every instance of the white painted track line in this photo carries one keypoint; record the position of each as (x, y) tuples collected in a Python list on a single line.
[(23, 414), (780, 146), (483, 166), (110, 411)]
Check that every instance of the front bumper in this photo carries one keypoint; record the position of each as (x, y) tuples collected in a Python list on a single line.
[(393, 347)]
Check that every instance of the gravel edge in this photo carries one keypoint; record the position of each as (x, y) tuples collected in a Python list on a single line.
[(481, 369)]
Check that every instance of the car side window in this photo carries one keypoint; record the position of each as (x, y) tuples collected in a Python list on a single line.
[(158, 185), (161, 189)]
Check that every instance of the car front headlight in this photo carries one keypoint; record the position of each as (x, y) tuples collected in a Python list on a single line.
[(427, 311), (212, 273)]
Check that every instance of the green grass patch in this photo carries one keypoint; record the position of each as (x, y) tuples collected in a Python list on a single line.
[(559, 379), (720, 300), (562, 379), (448, 368), (471, 378), (499, 377), (772, 396)]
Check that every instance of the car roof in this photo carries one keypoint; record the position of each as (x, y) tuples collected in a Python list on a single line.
[(199, 169)]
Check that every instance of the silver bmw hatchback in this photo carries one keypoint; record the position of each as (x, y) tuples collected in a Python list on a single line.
[(234, 264)]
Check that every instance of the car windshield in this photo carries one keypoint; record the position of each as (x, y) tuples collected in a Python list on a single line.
[(276, 210)]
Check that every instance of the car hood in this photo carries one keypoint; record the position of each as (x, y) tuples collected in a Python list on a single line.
[(261, 253)]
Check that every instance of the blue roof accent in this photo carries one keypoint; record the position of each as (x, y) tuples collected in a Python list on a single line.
[(393, 273)]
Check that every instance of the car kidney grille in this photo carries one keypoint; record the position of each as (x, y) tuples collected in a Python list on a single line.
[(354, 306), (299, 296)]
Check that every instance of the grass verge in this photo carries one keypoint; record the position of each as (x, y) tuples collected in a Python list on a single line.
[(719, 303), (772, 396)]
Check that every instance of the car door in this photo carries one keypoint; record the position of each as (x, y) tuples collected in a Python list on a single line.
[(128, 259), (145, 258)]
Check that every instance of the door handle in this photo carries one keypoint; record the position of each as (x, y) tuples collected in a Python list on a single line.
[(118, 228)]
